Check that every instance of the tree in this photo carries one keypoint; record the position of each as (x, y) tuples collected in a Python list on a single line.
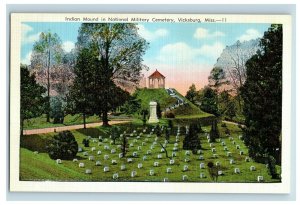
[(81, 98), (262, 95), (56, 111), (191, 140), (233, 59), (209, 101), (217, 78), (214, 131), (63, 146), (191, 94), (124, 145), (46, 54), (115, 134), (119, 49), (227, 104), (32, 97)]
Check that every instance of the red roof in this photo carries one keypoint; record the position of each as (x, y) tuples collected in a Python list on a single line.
[(156, 74)]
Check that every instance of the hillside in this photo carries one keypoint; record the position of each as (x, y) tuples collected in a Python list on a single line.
[(185, 109), (158, 95)]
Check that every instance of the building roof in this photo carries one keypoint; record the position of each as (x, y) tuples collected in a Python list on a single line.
[(156, 74)]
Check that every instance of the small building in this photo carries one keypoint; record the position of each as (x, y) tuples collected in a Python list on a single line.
[(156, 80)]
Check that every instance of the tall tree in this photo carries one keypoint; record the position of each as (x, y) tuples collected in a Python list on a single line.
[(233, 59), (217, 79), (46, 54), (80, 97), (191, 94), (262, 95), (209, 101), (32, 99), (119, 48)]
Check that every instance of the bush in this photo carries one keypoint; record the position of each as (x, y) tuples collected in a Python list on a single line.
[(191, 140), (86, 142), (170, 115), (63, 146), (223, 125)]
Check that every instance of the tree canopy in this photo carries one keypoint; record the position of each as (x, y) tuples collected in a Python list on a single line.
[(262, 95), (32, 96)]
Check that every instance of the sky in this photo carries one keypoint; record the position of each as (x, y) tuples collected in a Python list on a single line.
[(183, 52)]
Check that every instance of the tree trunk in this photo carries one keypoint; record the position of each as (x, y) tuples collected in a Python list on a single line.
[(84, 121), (22, 127), (104, 119), (48, 84)]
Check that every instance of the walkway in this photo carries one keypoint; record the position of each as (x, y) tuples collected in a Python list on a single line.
[(69, 127)]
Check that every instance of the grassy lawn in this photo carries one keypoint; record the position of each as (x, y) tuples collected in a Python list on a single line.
[(41, 167)]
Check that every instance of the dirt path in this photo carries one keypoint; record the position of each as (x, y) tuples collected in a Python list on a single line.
[(233, 123), (69, 127)]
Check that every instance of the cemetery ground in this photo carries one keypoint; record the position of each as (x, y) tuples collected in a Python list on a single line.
[(144, 150)]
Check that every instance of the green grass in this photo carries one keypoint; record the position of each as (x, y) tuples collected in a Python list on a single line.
[(41, 167), (159, 95), (40, 122)]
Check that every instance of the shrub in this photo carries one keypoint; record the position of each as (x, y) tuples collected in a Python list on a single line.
[(86, 142), (191, 140), (223, 125), (170, 115), (63, 146)]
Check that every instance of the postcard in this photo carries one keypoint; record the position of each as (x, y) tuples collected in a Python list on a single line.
[(158, 103)]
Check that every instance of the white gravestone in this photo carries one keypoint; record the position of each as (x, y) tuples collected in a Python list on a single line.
[(123, 167), (220, 172), (91, 158), (201, 165), (75, 160), (159, 156), (185, 168), (115, 176), (155, 164), (93, 148), (172, 161), (202, 175), (184, 178), (88, 171), (58, 161), (98, 163), (231, 161), (252, 168), (237, 170), (120, 155), (133, 173), (113, 161), (201, 157), (106, 169), (81, 165), (140, 165), (144, 158), (153, 116), (151, 172), (129, 160), (260, 178), (169, 170), (99, 152)]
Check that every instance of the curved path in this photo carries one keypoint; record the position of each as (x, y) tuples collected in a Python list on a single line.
[(69, 127)]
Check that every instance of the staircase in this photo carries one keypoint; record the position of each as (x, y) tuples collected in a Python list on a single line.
[(179, 102)]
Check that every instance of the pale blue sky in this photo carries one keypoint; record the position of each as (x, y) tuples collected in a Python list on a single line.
[(176, 49)]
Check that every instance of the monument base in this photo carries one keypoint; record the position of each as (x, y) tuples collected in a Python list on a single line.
[(153, 120)]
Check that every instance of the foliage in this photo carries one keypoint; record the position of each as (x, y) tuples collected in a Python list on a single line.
[(169, 115), (56, 111), (191, 140), (119, 49), (217, 78), (209, 101), (46, 56), (81, 98), (158, 111), (115, 133), (213, 171), (131, 106), (63, 146), (262, 95), (31, 96), (192, 93), (86, 142), (214, 131)]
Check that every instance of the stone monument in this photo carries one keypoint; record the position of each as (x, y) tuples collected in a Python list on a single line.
[(153, 116)]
